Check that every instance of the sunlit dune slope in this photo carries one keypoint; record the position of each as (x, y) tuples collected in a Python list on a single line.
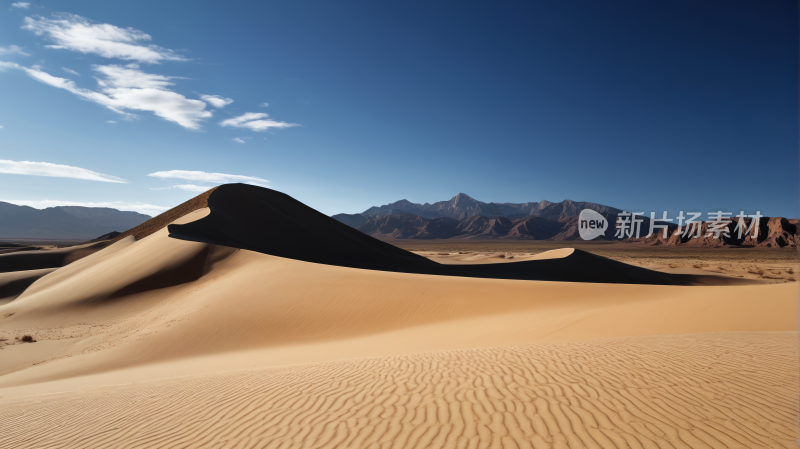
[(118, 309)]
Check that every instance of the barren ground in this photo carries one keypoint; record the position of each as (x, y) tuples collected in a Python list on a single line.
[(773, 264)]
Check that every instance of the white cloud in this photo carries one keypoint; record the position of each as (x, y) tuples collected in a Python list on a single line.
[(12, 49), (264, 105), (200, 176), (70, 71), (130, 77), (124, 88), (21, 5), (217, 101), (256, 121), (76, 33), (112, 121), (54, 170), (144, 208), (186, 187), (192, 188), (236, 139), (1, 127)]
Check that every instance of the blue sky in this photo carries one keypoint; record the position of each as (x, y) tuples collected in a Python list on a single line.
[(344, 105)]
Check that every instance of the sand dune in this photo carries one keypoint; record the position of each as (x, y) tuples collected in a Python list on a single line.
[(697, 391), (232, 300), (263, 220), (14, 283), (163, 342), (469, 258)]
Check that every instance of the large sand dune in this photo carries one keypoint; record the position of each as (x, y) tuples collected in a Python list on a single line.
[(172, 343), (263, 220)]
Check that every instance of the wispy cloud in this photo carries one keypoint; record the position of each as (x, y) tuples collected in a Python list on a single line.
[(54, 170), (12, 49), (186, 187), (264, 105), (21, 5), (143, 208), (201, 176), (236, 139), (127, 88), (256, 121), (112, 121), (76, 33), (70, 71), (217, 101)]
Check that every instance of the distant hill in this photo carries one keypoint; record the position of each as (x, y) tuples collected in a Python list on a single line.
[(64, 222), (410, 226), (773, 232), (352, 220), (465, 217), (463, 206)]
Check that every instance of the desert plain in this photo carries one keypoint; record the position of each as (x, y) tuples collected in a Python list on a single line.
[(167, 342)]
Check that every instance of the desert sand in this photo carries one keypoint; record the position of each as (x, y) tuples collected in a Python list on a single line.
[(164, 342), (767, 264)]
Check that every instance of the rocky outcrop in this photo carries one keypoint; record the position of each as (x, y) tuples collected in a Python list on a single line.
[(773, 232)]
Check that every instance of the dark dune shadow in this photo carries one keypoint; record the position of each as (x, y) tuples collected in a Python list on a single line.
[(188, 271), (52, 258), (263, 220), (13, 284)]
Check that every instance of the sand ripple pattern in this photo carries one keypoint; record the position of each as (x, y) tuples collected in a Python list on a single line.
[(719, 390)]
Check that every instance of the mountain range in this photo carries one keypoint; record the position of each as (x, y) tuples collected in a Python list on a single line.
[(64, 222), (463, 206), (463, 217)]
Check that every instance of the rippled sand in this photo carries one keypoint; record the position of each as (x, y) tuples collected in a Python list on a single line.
[(718, 390)]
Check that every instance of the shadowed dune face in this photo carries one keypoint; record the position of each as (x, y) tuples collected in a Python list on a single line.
[(259, 219), (13, 284), (51, 258), (263, 220)]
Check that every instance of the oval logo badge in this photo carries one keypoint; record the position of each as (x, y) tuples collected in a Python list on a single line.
[(591, 224)]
